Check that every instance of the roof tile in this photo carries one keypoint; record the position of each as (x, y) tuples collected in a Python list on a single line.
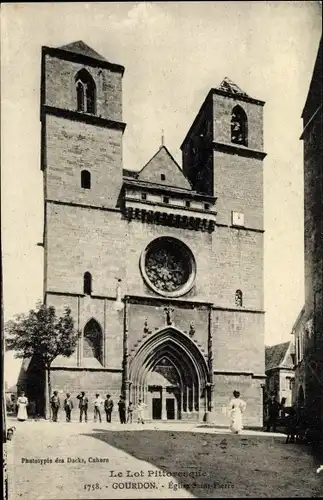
[(275, 355), (229, 86), (80, 47)]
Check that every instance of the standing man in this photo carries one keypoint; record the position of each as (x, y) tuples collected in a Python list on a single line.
[(55, 405), (68, 407), (130, 413), (140, 411), (83, 405), (122, 410), (273, 413), (98, 402), (108, 407)]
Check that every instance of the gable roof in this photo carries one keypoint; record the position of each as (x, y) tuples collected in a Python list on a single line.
[(80, 47), (164, 163), (229, 86), (278, 356)]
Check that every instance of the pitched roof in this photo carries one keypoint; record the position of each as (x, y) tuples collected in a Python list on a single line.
[(80, 47), (164, 163), (229, 86), (278, 356)]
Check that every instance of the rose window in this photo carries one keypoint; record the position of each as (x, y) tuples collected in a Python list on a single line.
[(168, 267)]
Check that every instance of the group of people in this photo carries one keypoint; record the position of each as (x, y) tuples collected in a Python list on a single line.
[(292, 418), (295, 421), (235, 409), (99, 405)]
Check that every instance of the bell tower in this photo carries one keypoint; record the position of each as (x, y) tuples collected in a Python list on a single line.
[(223, 153), (223, 157), (81, 158), (82, 128)]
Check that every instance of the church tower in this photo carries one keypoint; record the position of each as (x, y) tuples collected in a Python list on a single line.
[(223, 157), (82, 128), (81, 159)]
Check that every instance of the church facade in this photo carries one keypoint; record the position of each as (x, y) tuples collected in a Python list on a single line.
[(162, 268)]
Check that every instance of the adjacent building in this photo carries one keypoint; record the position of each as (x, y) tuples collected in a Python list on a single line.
[(279, 367), (309, 327), (299, 341), (162, 268)]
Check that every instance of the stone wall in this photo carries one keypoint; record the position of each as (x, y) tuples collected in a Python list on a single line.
[(238, 186), (75, 146), (251, 392)]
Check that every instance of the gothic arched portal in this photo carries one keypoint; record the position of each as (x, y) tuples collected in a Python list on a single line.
[(169, 373)]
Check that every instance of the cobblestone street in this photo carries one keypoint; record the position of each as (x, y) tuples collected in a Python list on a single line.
[(175, 461)]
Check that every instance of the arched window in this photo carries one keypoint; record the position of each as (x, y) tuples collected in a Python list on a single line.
[(85, 179), (238, 298), (85, 92), (239, 126), (87, 283), (93, 341)]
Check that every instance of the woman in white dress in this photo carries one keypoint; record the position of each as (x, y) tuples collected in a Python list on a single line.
[(22, 407), (235, 410)]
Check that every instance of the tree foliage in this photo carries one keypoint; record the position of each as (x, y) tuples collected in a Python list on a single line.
[(42, 333)]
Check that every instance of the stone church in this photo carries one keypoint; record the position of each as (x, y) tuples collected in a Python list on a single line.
[(161, 268)]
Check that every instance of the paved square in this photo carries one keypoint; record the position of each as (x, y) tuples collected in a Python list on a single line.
[(155, 461)]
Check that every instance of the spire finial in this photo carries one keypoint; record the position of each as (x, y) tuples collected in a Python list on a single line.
[(162, 137)]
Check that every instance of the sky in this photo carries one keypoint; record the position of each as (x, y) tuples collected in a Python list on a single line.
[(173, 52)]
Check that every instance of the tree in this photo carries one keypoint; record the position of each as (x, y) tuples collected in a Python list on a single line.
[(43, 335)]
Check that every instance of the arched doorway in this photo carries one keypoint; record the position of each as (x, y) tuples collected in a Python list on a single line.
[(169, 373)]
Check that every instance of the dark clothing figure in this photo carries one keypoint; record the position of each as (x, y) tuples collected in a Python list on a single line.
[(32, 409), (68, 407), (122, 410), (83, 405), (55, 405), (282, 410), (291, 424), (301, 424), (83, 411), (108, 407), (273, 413), (130, 414)]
